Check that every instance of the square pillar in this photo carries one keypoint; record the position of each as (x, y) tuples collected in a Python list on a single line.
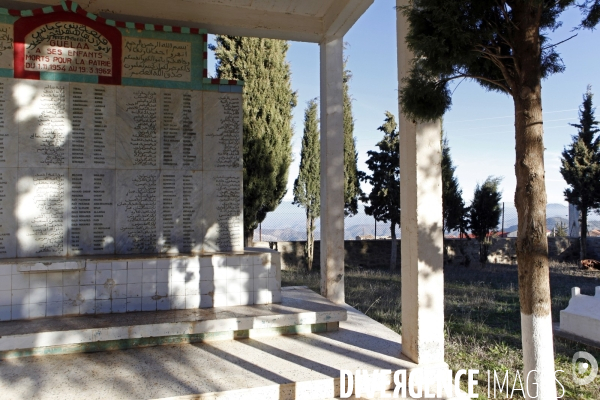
[(332, 171), (421, 222)]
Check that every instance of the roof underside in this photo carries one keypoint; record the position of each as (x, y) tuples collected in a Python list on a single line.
[(301, 20)]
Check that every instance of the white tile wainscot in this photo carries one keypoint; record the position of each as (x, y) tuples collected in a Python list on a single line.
[(54, 287)]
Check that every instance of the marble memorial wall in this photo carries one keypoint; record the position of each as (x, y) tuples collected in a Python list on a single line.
[(91, 169)]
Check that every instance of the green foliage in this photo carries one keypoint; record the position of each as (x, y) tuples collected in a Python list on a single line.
[(384, 199), (267, 103), (307, 187), (476, 40), (560, 230), (581, 165), (581, 161), (484, 214), (592, 9), (453, 205), (352, 191)]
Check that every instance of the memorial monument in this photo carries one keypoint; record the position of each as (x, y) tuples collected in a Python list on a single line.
[(120, 171)]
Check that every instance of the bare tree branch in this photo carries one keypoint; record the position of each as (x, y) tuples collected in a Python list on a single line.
[(482, 78), (561, 42)]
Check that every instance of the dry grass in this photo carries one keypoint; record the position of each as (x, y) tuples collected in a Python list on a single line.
[(482, 319)]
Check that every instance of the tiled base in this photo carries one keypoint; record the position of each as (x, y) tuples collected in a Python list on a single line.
[(54, 287), (301, 311)]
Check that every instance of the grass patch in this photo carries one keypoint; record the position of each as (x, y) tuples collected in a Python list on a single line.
[(482, 318)]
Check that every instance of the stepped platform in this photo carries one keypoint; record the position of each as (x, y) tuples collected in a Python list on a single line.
[(259, 366), (301, 311)]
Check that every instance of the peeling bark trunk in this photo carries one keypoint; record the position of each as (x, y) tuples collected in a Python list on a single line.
[(394, 247), (530, 201), (583, 236)]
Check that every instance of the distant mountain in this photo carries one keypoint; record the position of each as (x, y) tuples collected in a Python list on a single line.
[(288, 222), (553, 210), (551, 223)]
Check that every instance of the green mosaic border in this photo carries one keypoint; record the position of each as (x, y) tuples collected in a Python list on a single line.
[(5, 18), (124, 344)]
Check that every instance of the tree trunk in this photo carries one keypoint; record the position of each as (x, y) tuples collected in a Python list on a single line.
[(583, 235), (394, 247), (530, 201), (310, 242), (248, 237), (482, 254)]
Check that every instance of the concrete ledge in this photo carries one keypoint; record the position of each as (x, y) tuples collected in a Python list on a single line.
[(124, 344), (574, 338), (301, 311)]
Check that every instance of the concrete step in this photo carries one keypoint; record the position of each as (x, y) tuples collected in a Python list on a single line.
[(301, 311), (275, 367)]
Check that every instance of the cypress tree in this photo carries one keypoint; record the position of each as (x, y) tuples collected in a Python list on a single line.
[(384, 199), (484, 214), (267, 106), (581, 167), (307, 187), (503, 46), (352, 191), (453, 205)]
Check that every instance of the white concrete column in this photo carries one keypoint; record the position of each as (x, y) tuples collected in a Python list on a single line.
[(332, 171), (421, 223), (574, 219)]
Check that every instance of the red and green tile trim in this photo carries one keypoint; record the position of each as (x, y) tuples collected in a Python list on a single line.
[(71, 6)]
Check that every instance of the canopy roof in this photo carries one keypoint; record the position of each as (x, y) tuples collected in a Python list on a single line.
[(301, 20)]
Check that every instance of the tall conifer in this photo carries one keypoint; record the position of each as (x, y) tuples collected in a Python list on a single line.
[(581, 167), (352, 190), (268, 102), (307, 187), (453, 205), (384, 199), (484, 214)]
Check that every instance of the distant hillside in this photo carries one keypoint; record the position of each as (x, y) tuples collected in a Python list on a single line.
[(288, 223), (551, 223)]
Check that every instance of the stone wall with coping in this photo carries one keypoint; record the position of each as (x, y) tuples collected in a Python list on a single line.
[(376, 253), (35, 289)]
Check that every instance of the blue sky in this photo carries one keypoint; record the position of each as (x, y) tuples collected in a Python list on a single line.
[(480, 124)]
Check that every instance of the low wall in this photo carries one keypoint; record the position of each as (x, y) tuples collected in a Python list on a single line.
[(376, 253), (54, 287), (504, 250), (358, 253)]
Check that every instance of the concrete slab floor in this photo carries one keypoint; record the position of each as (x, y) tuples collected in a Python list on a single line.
[(299, 366)]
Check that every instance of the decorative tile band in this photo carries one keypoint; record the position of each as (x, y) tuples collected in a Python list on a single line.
[(71, 6), (216, 81), (124, 344)]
